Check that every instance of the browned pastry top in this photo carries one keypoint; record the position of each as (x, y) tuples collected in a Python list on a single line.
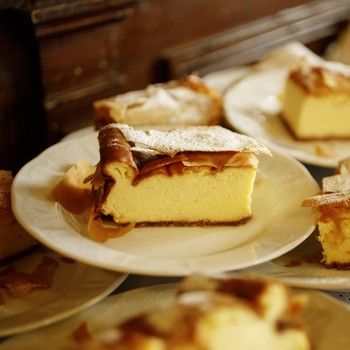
[(318, 80)]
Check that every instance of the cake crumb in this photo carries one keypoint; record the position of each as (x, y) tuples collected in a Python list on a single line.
[(326, 151)]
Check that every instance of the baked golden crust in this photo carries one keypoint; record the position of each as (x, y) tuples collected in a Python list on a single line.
[(184, 139), (188, 101), (320, 79), (335, 189)]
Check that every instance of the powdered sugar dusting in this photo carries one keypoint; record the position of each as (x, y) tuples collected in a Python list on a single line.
[(336, 188), (327, 199), (196, 139), (336, 183)]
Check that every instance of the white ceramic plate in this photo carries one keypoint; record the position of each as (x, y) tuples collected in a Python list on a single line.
[(223, 79), (327, 320), (278, 224), (252, 107), (301, 268), (75, 286)]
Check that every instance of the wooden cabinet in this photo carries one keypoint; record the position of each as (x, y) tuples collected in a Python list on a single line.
[(79, 56), (58, 56)]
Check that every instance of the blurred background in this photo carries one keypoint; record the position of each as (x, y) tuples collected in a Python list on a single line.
[(58, 56)]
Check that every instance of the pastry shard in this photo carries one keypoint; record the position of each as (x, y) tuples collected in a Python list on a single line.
[(73, 192), (186, 176), (316, 99), (215, 314), (333, 206), (180, 102)]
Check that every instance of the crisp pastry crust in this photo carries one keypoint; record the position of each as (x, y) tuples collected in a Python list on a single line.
[(335, 189), (312, 73), (188, 101), (189, 139), (319, 78)]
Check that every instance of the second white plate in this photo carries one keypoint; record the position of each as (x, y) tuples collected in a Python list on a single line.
[(326, 320), (75, 286), (252, 107), (278, 224)]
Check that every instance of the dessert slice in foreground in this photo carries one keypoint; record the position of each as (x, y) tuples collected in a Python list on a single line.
[(316, 99), (333, 206), (187, 176), (180, 102), (213, 314), (13, 238)]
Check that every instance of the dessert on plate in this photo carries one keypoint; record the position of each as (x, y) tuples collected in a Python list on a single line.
[(316, 99), (14, 239), (187, 176), (188, 101), (216, 314), (333, 206)]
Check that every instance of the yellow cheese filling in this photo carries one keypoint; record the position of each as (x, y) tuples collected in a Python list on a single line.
[(316, 116), (198, 194), (334, 227)]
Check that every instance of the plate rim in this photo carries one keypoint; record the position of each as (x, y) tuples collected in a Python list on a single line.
[(307, 281), (140, 269), (150, 293)]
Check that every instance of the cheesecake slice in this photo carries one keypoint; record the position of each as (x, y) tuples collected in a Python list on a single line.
[(316, 99), (186, 176), (188, 101), (227, 314), (13, 238), (333, 206)]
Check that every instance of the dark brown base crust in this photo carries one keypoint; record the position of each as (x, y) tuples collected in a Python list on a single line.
[(201, 223), (337, 266), (297, 138)]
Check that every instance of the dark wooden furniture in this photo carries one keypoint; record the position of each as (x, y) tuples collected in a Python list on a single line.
[(79, 54), (22, 118), (315, 24), (58, 56)]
